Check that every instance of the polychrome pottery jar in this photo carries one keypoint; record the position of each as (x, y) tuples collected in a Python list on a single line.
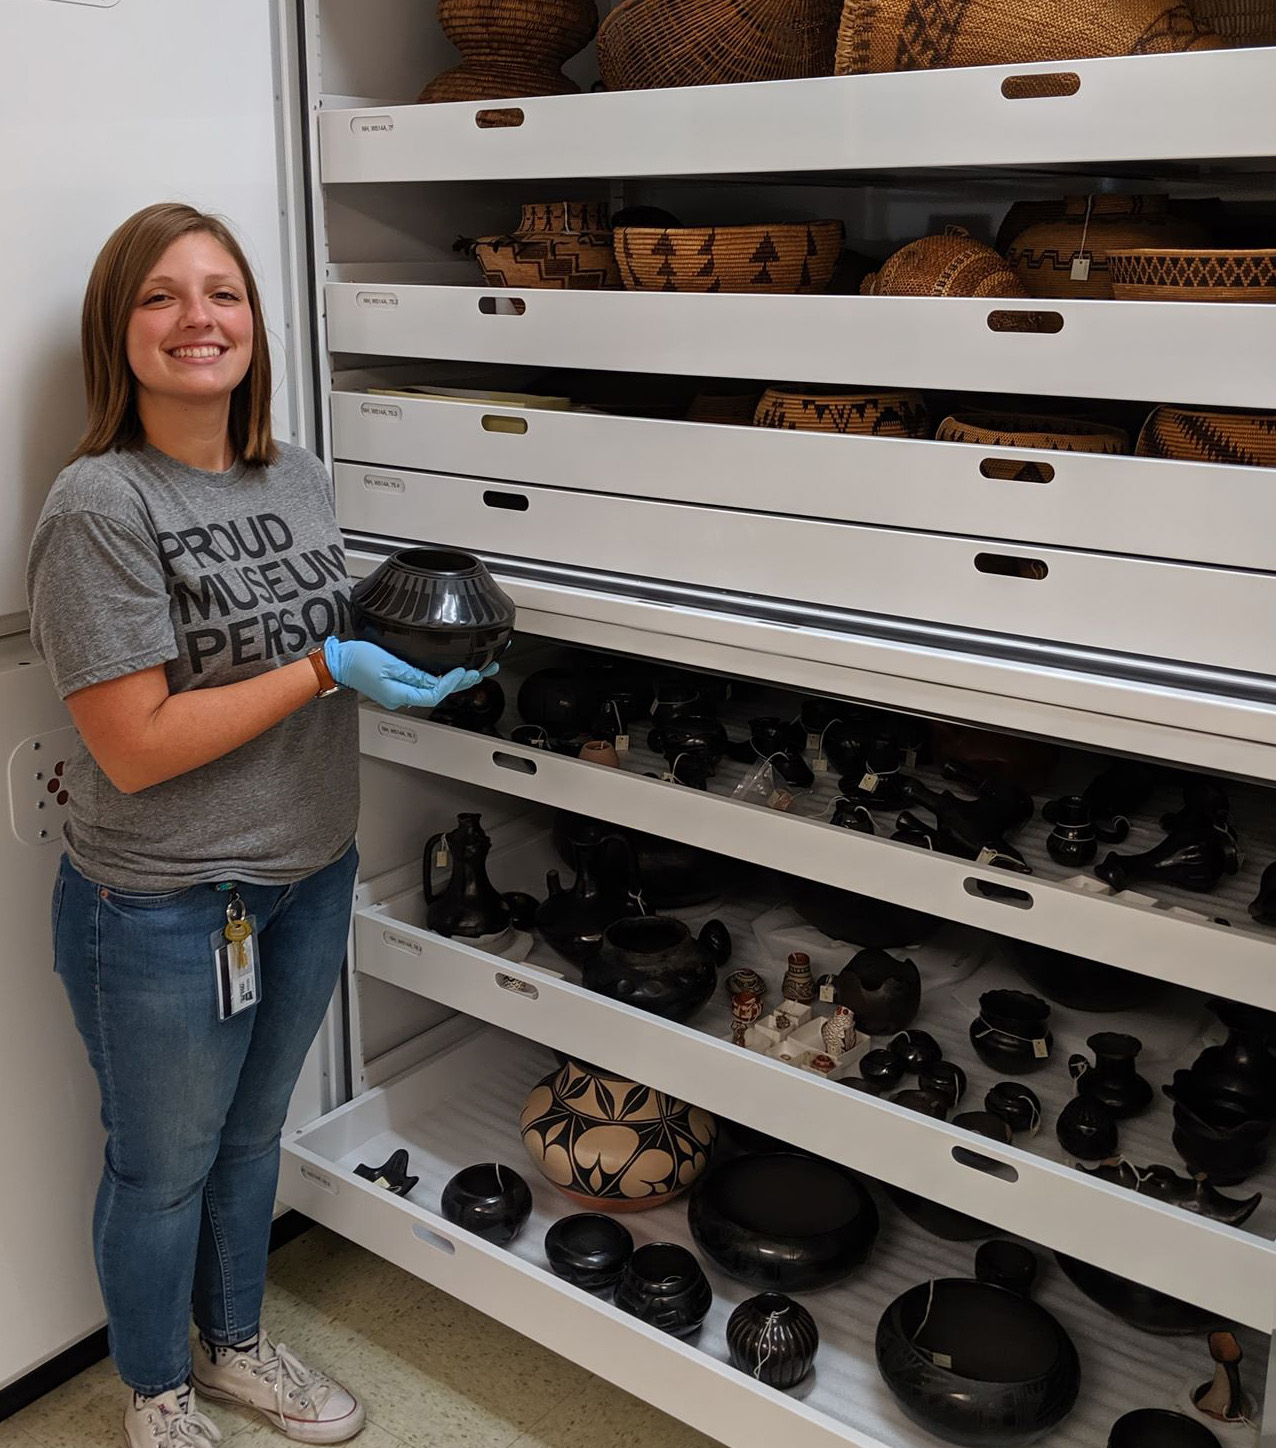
[(612, 1144)]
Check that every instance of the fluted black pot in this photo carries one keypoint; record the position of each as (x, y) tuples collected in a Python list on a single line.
[(783, 1220), (436, 608), (490, 1200), (884, 992), (773, 1339)]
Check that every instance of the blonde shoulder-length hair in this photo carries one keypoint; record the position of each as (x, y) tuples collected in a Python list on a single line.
[(121, 268)]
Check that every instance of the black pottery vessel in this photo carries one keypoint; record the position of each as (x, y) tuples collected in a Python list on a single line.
[(1074, 840), (1112, 1079), (1015, 1104), (589, 1250), (916, 1049), (1087, 1130), (974, 829), (773, 1339), (1011, 1032), (469, 906), (435, 608), (1160, 1428), (1215, 1131), (1263, 906), (674, 876), (477, 709), (944, 1078), (654, 962), (1244, 1066), (882, 1067), (858, 919), (392, 1174), (1081, 984), (937, 1218), (977, 1364), (1142, 1307), (884, 993), (1198, 850), (663, 1285), (490, 1200), (1193, 1194), (924, 1102), (563, 702), (573, 920), (783, 1220)]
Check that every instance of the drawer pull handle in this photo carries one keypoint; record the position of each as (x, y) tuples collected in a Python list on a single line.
[(1001, 894), (989, 1165), (515, 986), (1045, 323), (1006, 565), (494, 423), (434, 1239), (499, 117), (1055, 86), (1008, 470), (514, 502), (502, 306), (516, 762)]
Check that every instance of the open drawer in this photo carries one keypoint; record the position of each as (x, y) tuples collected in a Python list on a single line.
[(462, 1106)]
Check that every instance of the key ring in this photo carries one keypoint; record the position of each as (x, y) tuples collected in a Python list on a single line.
[(235, 911)]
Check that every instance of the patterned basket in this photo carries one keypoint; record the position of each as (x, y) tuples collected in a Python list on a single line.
[(953, 264), (845, 410), (881, 35), (1163, 274), (565, 245), (511, 48), (787, 257), (1242, 22), (1090, 228), (647, 44), (725, 408), (1210, 435), (1014, 429)]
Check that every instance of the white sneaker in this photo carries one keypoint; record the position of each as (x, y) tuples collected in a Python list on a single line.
[(168, 1421), (302, 1402)]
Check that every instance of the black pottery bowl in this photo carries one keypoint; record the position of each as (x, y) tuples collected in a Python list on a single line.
[(977, 1364), (1140, 1306), (664, 1286), (588, 1249), (490, 1200), (1159, 1428), (1081, 984), (783, 1220), (435, 608)]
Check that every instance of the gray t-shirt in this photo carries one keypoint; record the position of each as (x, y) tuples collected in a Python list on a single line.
[(141, 560)]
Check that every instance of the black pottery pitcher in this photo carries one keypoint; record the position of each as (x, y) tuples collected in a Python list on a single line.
[(470, 905)]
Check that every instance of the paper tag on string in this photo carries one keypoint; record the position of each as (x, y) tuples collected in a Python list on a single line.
[(780, 799), (868, 785), (820, 765), (441, 858), (1040, 1050), (622, 743), (1081, 267), (987, 855), (812, 741)]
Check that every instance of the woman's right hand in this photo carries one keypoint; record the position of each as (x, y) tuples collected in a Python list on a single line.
[(390, 682)]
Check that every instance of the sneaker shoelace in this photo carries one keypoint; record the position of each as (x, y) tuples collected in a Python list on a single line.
[(293, 1381), (194, 1429)]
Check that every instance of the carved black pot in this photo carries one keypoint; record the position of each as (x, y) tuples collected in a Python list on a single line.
[(859, 919), (1015, 1104), (674, 876), (1140, 1306), (783, 1220), (490, 1200), (1011, 1033), (976, 1363), (436, 608), (664, 1286), (1160, 1428), (773, 1339), (563, 702), (883, 992), (1087, 1130), (653, 962), (588, 1250), (1080, 984), (944, 1078)]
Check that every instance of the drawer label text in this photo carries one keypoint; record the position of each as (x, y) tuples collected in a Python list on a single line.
[(383, 483), (376, 299), (400, 732), (401, 942), (324, 1182), (381, 409), (372, 125)]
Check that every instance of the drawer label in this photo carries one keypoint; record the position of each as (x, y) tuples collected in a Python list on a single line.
[(401, 732), (320, 1180), (401, 942), (381, 409), (372, 125), (376, 299), (383, 483)]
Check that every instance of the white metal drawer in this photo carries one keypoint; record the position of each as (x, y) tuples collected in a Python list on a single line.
[(1146, 608), (1152, 351)]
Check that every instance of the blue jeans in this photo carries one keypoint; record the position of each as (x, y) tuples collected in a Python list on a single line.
[(193, 1106)]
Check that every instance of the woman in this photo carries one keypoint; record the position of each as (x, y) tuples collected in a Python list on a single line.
[(187, 590)]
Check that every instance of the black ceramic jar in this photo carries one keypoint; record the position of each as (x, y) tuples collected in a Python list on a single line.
[(588, 1249), (654, 962), (436, 608), (490, 1200), (773, 1339), (883, 992), (1012, 1033), (663, 1285), (1160, 1428), (783, 1220)]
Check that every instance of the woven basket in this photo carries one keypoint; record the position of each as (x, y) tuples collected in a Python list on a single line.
[(730, 409), (647, 44), (1242, 22), (563, 245), (1162, 274), (1092, 226), (1013, 429), (1210, 435), (844, 410), (953, 264), (879, 35), (511, 48), (787, 257)]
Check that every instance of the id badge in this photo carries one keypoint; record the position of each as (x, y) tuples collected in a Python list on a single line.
[(237, 972)]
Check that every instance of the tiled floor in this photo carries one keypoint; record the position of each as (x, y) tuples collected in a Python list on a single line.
[(433, 1372)]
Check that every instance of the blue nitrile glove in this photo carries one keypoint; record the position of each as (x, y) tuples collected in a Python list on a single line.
[(390, 682)]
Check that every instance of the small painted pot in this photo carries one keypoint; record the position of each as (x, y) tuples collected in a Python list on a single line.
[(600, 751)]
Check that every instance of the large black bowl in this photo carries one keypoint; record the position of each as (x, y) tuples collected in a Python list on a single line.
[(783, 1220), (436, 608), (1081, 984), (490, 1200), (858, 919), (588, 1249), (1140, 1306), (977, 1364), (1159, 1428)]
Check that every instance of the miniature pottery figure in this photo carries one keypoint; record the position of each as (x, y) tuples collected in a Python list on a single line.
[(838, 1032), (1223, 1398), (392, 1174), (798, 983)]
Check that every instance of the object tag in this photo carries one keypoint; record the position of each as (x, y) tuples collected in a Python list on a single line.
[(441, 858), (910, 757), (868, 784), (780, 799), (828, 994), (1081, 267), (622, 743), (820, 765), (1040, 1050), (986, 856), (941, 1360), (812, 741)]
